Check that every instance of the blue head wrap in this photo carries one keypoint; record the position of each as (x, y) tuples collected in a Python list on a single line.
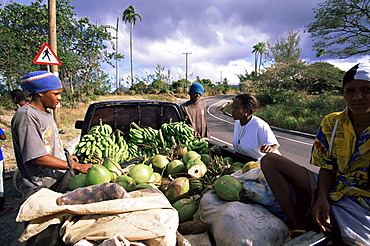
[(196, 88)]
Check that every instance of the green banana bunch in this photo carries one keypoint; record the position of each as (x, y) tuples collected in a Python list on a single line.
[(182, 133), (147, 139), (101, 142), (201, 146)]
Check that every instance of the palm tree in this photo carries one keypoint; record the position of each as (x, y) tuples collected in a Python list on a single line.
[(258, 50), (255, 51), (130, 16)]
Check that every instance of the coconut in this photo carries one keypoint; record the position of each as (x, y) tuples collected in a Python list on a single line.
[(193, 162), (228, 160), (198, 170), (77, 181), (156, 179), (126, 182), (113, 167), (186, 208), (97, 174), (175, 166), (238, 163), (215, 151), (159, 162), (141, 173), (144, 186), (233, 169), (250, 165), (164, 184), (206, 158), (180, 150), (177, 189), (190, 155), (196, 186), (228, 188)]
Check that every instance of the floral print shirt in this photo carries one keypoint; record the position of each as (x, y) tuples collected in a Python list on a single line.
[(349, 158)]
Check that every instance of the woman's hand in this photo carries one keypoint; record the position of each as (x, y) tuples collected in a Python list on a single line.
[(266, 148)]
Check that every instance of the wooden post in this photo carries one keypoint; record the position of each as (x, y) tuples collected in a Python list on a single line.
[(53, 46)]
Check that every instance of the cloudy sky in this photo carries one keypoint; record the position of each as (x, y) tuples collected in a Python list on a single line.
[(217, 34)]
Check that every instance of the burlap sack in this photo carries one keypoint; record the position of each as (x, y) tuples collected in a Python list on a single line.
[(236, 223), (146, 216)]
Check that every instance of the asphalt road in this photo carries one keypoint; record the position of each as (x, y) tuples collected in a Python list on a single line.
[(293, 145)]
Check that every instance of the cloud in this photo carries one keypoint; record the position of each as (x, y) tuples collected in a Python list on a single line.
[(218, 34)]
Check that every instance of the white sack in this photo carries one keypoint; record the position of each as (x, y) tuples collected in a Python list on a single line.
[(236, 223)]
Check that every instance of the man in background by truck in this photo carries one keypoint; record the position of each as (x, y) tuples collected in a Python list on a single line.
[(195, 110), (19, 97)]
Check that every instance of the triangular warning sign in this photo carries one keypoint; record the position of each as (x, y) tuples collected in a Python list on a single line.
[(46, 56)]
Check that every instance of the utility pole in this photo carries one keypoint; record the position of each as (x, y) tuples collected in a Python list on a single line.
[(186, 69), (117, 80), (221, 78), (53, 46)]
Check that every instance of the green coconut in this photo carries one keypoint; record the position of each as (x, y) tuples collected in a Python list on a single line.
[(113, 167), (97, 174), (228, 160), (159, 162), (198, 170), (206, 158), (232, 169), (180, 150), (177, 189), (141, 173), (144, 186), (155, 179), (238, 163), (77, 181), (175, 166), (215, 151), (190, 155), (164, 184), (196, 186), (228, 188), (186, 208), (193, 162), (126, 182)]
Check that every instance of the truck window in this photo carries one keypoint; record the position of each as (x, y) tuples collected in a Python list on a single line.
[(120, 116)]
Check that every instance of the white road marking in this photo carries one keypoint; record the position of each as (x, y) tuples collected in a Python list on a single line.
[(222, 141)]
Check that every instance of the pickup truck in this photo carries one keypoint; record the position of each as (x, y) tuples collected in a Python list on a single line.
[(153, 113), (145, 113)]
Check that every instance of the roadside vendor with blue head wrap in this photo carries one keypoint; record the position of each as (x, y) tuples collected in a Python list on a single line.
[(195, 110), (37, 145)]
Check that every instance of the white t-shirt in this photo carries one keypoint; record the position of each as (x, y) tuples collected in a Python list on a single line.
[(249, 138)]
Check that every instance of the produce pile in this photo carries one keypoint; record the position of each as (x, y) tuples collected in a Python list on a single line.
[(176, 162)]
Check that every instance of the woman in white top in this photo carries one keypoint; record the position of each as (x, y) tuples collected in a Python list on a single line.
[(252, 135)]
